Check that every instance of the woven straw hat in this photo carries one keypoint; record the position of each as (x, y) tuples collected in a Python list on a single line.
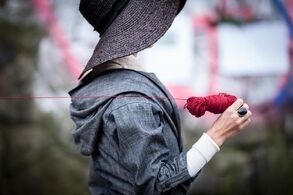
[(127, 26)]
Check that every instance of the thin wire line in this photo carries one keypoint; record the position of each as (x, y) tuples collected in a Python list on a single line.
[(15, 98)]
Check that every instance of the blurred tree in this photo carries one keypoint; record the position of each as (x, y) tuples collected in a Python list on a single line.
[(2, 2), (33, 157)]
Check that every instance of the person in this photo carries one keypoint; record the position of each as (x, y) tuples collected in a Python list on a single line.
[(126, 120)]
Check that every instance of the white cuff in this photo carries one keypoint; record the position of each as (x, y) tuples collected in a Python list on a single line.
[(212, 141), (200, 153)]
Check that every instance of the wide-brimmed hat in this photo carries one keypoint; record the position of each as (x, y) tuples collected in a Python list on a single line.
[(127, 26)]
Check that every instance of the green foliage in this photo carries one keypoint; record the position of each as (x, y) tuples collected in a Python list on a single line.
[(258, 161), (2, 2), (34, 160), (35, 156)]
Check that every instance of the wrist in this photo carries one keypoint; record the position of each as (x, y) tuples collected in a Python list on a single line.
[(218, 138)]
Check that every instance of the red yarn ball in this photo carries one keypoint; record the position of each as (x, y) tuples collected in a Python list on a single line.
[(216, 104)]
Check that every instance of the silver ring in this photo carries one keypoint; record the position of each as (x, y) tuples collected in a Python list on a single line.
[(242, 111)]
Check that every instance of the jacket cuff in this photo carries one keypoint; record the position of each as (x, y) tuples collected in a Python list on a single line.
[(181, 176)]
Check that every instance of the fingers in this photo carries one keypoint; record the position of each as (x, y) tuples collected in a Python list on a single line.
[(241, 126), (245, 120), (246, 106), (246, 116), (243, 111), (245, 123), (237, 104), (230, 122)]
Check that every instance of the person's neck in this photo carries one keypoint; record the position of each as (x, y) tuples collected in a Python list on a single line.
[(127, 62)]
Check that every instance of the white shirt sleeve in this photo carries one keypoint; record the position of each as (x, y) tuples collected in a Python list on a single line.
[(200, 153)]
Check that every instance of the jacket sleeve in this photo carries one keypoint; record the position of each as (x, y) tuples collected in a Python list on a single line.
[(144, 148)]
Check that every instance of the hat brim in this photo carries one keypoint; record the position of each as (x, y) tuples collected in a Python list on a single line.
[(140, 24)]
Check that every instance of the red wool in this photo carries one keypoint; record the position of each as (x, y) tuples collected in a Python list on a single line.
[(216, 104)]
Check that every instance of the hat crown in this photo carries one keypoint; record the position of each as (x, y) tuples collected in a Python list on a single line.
[(127, 26), (95, 11)]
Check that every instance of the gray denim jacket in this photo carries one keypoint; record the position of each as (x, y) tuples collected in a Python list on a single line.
[(129, 124)]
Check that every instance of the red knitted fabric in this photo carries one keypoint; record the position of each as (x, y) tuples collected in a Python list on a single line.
[(216, 104)]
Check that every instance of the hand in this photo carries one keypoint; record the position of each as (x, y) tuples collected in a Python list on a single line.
[(229, 123)]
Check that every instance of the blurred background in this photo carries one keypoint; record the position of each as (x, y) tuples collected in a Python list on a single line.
[(241, 47)]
